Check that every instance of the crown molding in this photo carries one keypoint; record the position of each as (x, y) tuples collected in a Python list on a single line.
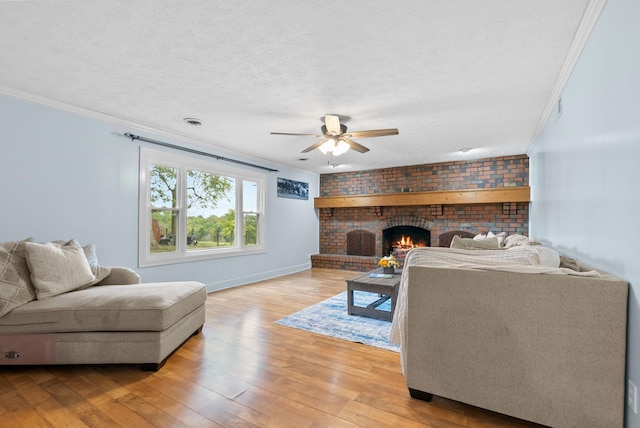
[(589, 19), (124, 122)]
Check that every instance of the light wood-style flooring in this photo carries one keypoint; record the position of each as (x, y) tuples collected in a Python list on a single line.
[(242, 371)]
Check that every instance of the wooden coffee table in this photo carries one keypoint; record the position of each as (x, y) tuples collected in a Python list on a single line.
[(386, 288)]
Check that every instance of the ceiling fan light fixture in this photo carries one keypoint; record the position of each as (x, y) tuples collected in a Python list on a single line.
[(334, 146), (327, 146), (340, 148), (336, 140)]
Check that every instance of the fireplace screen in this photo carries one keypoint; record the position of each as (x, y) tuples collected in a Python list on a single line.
[(399, 240)]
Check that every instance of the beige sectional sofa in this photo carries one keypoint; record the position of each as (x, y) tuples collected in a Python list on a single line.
[(542, 346), (116, 320)]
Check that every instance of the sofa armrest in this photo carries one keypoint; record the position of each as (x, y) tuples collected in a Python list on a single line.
[(121, 276)]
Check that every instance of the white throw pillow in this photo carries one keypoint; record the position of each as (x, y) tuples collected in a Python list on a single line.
[(57, 269), (89, 250)]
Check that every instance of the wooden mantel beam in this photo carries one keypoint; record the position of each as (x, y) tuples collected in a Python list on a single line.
[(452, 197)]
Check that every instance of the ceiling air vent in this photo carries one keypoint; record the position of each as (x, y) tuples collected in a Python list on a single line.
[(192, 121)]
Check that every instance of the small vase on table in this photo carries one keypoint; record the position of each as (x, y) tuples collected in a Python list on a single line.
[(389, 269)]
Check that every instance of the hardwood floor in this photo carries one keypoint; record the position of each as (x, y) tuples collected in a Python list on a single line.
[(242, 371)]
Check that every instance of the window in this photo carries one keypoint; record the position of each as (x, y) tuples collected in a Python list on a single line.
[(194, 209)]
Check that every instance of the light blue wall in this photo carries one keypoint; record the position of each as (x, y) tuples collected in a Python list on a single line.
[(585, 165), (65, 176)]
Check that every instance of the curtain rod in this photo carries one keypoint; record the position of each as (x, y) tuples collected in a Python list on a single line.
[(197, 152)]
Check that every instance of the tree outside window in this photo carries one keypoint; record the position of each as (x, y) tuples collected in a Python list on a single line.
[(192, 210)]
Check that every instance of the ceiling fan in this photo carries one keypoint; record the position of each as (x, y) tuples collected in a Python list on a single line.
[(336, 139)]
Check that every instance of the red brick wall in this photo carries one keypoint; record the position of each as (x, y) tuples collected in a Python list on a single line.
[(508, 171), (486, 173)]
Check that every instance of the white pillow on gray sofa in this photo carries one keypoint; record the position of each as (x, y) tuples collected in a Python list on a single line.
[(57, 269), (100, 272)]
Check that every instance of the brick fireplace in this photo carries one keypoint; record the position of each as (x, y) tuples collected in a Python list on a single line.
[(336, 223)]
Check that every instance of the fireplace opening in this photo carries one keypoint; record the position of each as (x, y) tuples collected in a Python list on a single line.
[(398, 240)]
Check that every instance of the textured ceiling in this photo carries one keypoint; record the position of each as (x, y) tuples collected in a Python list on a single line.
[(448, 74)]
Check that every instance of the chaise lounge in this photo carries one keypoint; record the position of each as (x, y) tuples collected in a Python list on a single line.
[(111, 319)]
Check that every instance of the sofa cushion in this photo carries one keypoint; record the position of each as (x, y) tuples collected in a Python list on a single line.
[(139, 307), (475, 244), (15, 285), (57, 269)]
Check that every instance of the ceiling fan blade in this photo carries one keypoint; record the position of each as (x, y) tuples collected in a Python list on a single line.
[(314, 146), (333, 124), (289, 133), (356, 146), (374, 133)]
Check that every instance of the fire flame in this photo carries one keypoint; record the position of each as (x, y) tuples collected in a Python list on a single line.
[(406, 242)]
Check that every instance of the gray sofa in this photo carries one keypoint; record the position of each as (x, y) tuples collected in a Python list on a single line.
[(544, 348), (116, 320)]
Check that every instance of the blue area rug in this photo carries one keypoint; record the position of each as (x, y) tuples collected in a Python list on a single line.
[(330, 318)]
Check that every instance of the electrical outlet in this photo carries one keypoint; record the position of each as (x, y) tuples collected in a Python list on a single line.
[(632, 396)]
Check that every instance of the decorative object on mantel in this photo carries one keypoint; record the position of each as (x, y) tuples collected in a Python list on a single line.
[(388, 264)]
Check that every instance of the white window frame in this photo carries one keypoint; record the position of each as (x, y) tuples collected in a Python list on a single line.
[(149, 157)]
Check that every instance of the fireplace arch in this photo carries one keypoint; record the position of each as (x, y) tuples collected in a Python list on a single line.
[(406, 220)]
